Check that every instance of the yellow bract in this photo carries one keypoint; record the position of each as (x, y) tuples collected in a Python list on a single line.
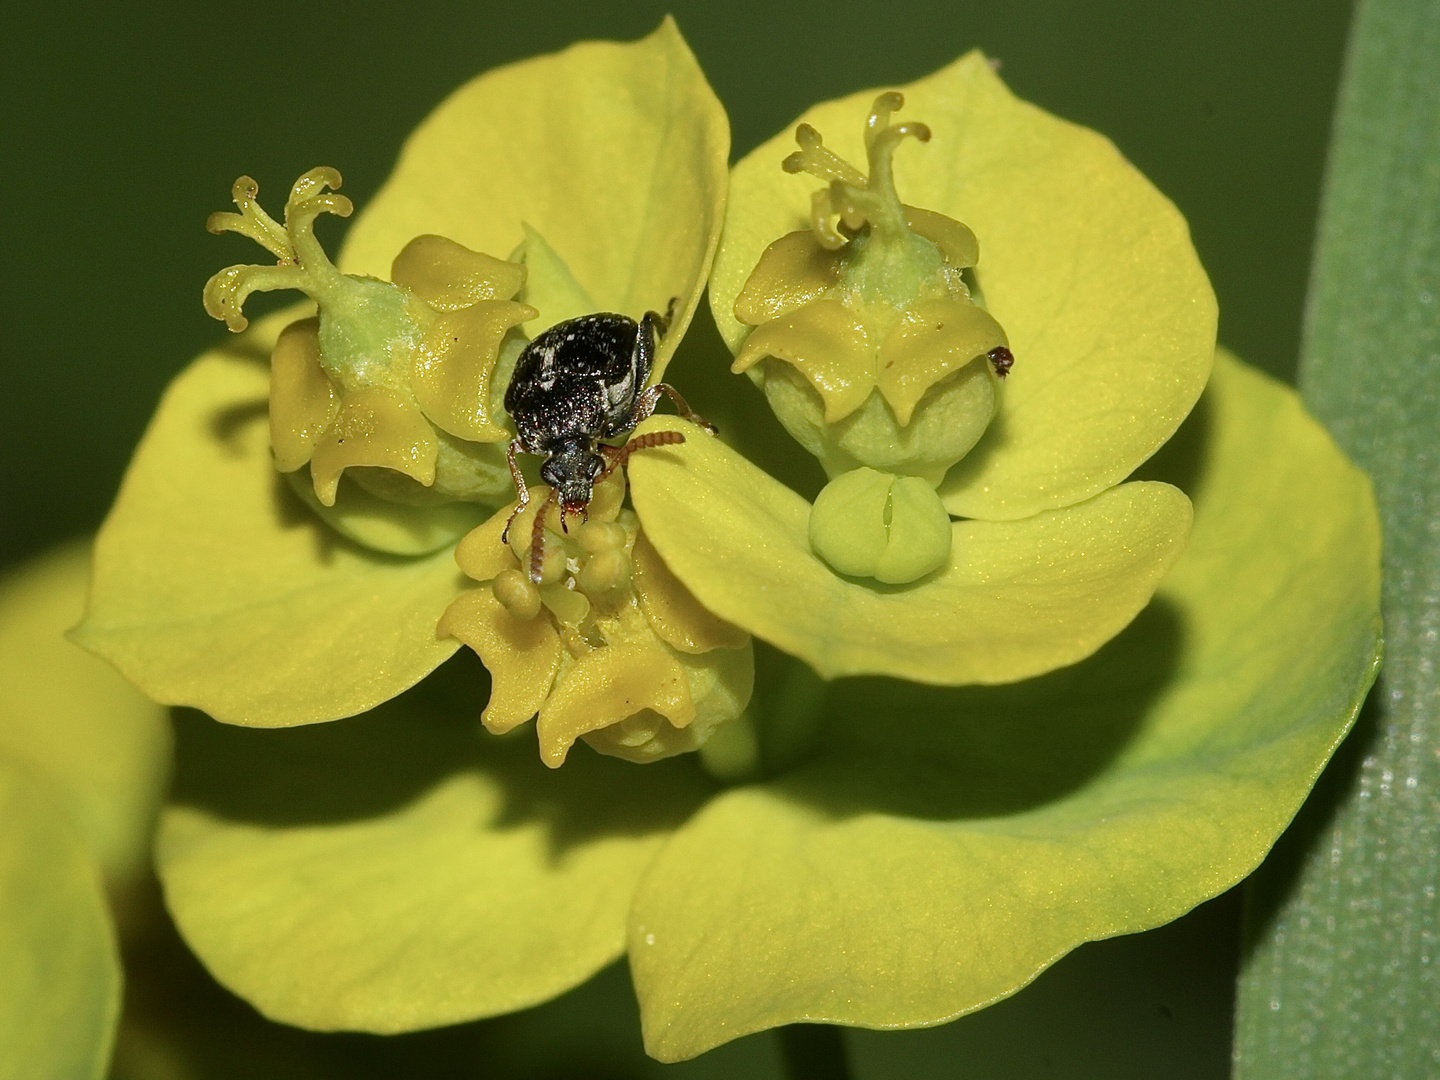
[(1015, 599), (70, 718), (215, 588)]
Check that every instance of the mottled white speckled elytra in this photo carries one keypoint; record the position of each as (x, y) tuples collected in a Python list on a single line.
[(577, 383)]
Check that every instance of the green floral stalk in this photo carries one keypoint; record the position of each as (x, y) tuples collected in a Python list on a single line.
[(1098, 711)]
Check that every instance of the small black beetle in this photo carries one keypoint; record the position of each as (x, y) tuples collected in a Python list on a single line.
[(581, 381)]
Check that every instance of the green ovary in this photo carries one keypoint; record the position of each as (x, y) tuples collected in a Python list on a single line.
[(368, 333), (944, 427), (885, 265)]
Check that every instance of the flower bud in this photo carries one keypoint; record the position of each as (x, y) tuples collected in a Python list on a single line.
[(867, 523)]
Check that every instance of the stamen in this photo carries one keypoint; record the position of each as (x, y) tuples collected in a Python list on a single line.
[(517, 593)]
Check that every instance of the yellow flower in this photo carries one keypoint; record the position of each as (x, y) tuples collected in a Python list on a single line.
[(395, 381), (899, 853), (872, 299), (212, 587), (1111, 321)]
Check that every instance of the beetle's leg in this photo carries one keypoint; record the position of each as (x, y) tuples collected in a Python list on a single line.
[(537, 538), (520, 488), (645, 405), (642, 359), (660, 324)]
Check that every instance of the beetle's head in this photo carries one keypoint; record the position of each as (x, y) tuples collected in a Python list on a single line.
[(571, 469)]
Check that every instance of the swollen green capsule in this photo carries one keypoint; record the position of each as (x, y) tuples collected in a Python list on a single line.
[(867, 340)]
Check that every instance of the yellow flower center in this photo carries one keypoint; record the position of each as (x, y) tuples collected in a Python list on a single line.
[(609, 646)]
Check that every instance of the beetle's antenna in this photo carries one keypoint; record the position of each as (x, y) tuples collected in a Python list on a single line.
[(537, 538), (619, 455)]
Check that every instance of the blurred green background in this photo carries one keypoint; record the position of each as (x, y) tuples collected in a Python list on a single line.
[(124, 126)]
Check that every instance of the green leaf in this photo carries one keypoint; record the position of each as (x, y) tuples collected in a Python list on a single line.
[(1088, 268), (1036, 594), (406, 870), (215, 587), (949, 844), (616, 153), (59, 967), (1343, 923), (70, 718)]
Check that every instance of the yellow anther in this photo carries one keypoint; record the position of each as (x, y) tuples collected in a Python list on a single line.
[(605, 571), (569, 606), (520, 597), (552, 562), (598, 536)]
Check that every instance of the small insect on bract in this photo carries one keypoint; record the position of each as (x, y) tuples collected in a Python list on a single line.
[(581, 381)]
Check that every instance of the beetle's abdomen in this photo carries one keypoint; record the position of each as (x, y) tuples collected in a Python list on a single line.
[(576, 377)]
